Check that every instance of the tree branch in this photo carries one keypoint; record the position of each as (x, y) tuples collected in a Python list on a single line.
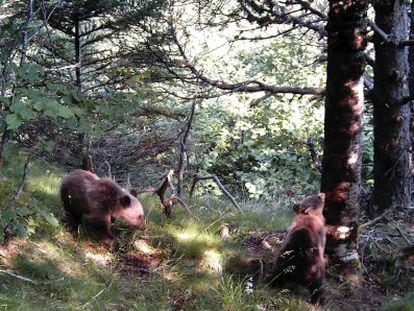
[(250, 86), (198, 178), (183, 149)]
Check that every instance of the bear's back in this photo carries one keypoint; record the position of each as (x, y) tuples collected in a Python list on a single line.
[(75, 188)]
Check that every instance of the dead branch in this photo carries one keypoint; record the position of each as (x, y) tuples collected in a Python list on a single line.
[(314, 154), (183, 149), (168, 202), (375, 220), (198, 178), (400, 232), (250, 86), (23, 179), (8, 272)]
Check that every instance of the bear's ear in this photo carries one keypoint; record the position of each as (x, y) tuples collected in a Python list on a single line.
[(125, 200), (296, 208)]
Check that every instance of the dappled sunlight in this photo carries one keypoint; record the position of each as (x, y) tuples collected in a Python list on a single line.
[(212, 260), (48, 183), (192, 233), (142, 246), (103, 259), (353, 158), (171, 275), (188, 235)]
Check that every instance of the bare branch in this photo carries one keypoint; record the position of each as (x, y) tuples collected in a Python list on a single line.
[(198, 178), (375, 220), (10, 273), (167, 203), (23, 179), (250, 86), (183, 149)]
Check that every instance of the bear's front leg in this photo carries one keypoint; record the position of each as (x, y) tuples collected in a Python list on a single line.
[(100, 227)]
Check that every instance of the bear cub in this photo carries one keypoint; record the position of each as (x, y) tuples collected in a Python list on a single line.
[(300, 260), (93, 202)]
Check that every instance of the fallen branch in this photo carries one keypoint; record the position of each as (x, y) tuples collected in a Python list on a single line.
[(8, 272), (401, 233), (166, 202), (198, 178), (375, 220)]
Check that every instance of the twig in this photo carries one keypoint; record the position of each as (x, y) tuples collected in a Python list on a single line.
[(197, 178), (375, 220), (167, 203), (401, 233), (8, 272), (23, 180)]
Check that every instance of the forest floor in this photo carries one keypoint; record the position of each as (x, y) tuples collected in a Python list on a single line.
[(184, 263)]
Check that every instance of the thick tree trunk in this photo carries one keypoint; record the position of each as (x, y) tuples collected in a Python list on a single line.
[(341, 165), (391, 113), (411, 91)]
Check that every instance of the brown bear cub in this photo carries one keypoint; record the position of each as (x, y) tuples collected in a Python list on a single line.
[(93, 202), (300, 260)]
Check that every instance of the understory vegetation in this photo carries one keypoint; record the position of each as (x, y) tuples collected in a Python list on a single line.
[(178, 264)]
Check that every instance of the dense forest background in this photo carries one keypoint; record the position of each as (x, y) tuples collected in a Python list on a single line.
[(219, 107)]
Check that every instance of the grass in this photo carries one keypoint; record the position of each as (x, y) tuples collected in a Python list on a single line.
[(178, 264), (183, 258)]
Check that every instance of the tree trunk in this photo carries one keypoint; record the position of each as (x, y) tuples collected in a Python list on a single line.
[(411, 91), (391, 113), (341, 165), (78, 56)]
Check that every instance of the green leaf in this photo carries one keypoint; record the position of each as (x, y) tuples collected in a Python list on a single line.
[(8, 215), (64, 112), (51, 219), (72, 123), (22, 230), (49, 146), (13, 121), (23, 110)]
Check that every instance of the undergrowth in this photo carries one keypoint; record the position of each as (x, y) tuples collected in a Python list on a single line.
[(174, 265), (178, 264)]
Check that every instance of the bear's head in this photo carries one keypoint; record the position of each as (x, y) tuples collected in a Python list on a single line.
[(130, 209)]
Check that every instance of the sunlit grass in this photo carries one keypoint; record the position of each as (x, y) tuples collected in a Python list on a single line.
[(75, 273)]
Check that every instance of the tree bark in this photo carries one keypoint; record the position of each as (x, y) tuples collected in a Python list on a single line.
[(341, 165), (411, 91), (78, 55), (391, 112)]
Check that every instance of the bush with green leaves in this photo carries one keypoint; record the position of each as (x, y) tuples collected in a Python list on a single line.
[(21, 212)]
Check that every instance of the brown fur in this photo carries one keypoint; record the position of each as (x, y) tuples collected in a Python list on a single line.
[(300, 259), (92, 202)]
